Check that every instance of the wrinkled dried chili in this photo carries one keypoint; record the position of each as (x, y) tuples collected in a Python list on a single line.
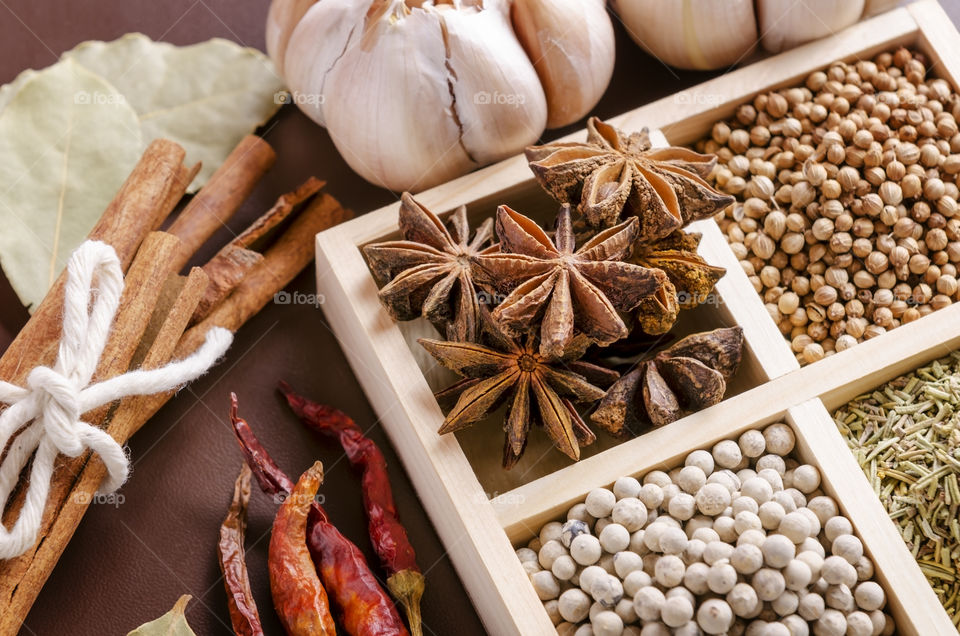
[(243, 609), (388, 537), (298, 596), (365, 609)]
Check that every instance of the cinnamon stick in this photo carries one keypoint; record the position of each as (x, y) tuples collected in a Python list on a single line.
[(143, 199), (123, 424), (286, 258), (220, 198), (232, 263), (145, 278)]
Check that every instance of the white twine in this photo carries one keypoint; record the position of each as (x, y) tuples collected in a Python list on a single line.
[(54, 399)]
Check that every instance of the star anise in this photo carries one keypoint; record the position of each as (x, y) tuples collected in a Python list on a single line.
[(614, 173), (692, 279), (689, 376), (507, 369), (429, 271), (558, 287)]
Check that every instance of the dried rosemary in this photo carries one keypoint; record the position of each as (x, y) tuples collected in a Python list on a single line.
[(905, 437)]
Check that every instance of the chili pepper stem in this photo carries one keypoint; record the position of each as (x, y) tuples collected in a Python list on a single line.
[(407, 587)]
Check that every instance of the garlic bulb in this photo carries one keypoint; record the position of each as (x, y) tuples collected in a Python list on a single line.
[(787, 23), (424, 94), (281, 20), (691, 34), (572, 47)]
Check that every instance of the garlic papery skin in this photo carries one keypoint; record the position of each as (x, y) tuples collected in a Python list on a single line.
[(391, 112), (785, 24), (691, 34), (428, 93), (281, 21), (320, 38), (571, 45)]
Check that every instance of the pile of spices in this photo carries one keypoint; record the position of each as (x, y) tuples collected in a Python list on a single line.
[(847, 195), (527, 313), (905, 437), (740, 539)]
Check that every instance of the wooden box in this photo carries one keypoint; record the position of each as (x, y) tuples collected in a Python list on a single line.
[(482, 512)]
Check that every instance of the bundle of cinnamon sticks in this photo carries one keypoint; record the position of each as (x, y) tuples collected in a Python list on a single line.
[(163, 315)]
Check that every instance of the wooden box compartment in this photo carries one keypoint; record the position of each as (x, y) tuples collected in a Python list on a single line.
[(481, 512)]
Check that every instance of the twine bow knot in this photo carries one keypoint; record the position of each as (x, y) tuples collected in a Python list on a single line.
[(47, 412)]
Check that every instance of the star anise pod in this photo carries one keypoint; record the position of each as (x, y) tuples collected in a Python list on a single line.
[(429, 271), (614, 173), (689, 376), (505, 369), (692, 279), (557, 287)]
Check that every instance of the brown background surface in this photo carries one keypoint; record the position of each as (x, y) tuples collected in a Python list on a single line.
[(128, 563)]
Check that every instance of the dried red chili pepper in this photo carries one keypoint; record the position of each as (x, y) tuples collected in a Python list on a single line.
[(233, 565), (388, 537), (365, 609), (298, 596)]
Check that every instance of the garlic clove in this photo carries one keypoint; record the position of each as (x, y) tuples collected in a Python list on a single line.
[(321, 36), (391, 111), (498, 100), (281, 20), (571, 45), (691, 34), (788, 23)]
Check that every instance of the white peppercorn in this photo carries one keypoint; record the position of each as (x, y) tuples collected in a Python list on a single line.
[(625, 611), (795, 526), (691, 478), (707, 535), (614, 538), (625, 562), (682, 506), (546, 585), (806, 478), (669, 570), (676, 611), (579, 513), (869, 596), (786, 603), (859, 624), (743, 600), (635, 581), (747, 558), (714, 616), (607, 590), (757, 489), (573, 605), (824, 507), (626, 487), (721, 577), (849, 547), (600, 525), (564, 567), (778, 550), (701, 459), (607, 624), (717, 551), (600, 502), (526, 554), (830, 623), (712, 499), (725, 526), (779, 438), (550, 532), (839, 597), (837, 570), (752, 536), (695, 578), (727, 454), (694, 551), (585, 549), (795, 625), (768, 583), (751, 443), (553, 611), (744, 504), (771, 514), (647, 602)]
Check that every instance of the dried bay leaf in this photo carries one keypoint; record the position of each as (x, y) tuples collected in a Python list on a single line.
[(206, 96), (173, 623), (68, 140)]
